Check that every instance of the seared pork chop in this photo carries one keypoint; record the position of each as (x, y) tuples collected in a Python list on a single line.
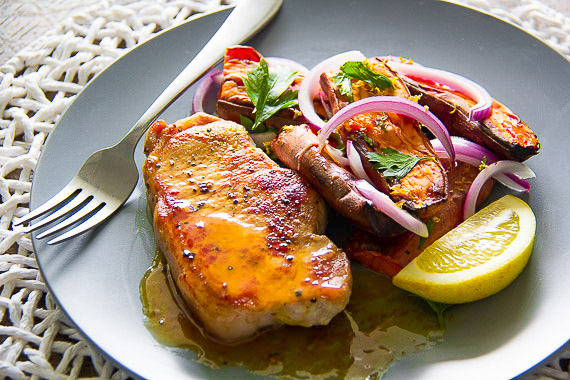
[(241, 235)]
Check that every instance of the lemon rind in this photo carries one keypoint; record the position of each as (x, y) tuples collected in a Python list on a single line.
[(474, 283)]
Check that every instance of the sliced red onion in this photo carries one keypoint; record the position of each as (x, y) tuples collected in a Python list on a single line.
[(213, 78), (293, 65), (384, 204), (310, 85), (390, 104), (506, 166), (337, 156), (325, 103), (479, 111), (355, 162), (474, 154)]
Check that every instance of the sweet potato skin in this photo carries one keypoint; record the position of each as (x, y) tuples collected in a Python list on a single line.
[(297, 147), (504, 133), (425, 186)]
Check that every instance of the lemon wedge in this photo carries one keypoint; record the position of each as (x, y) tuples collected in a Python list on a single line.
[(476, 259)]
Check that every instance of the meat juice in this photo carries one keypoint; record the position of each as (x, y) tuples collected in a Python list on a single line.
[(380, 325)]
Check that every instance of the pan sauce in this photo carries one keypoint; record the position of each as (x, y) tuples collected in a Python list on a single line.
[(379, 326)]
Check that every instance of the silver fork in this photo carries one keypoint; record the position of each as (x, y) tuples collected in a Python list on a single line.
[(109, 176)]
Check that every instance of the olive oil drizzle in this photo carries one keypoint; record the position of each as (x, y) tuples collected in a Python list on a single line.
[(379, 326)]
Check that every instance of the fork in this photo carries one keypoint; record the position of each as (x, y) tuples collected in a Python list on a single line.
[(109, 176)]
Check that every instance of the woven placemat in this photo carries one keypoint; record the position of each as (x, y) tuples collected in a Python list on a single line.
[(36, 86)]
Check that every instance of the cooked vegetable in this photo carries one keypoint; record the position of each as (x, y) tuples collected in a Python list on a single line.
[(385, 204), (502, 132), (511, 167), (476, 155), (207, 84), (297, 147), (389, 254), (310, 86), (390, 104), (234, 100), (455, 82)]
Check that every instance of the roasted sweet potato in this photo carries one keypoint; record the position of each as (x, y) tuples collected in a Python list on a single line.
[(426, 184), (504, 133), (390, 255), (297, 147)]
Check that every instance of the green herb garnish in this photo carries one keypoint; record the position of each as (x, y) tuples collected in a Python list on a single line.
[(267, 90), (362, 71), (392, 163), (367, 139), (337, 141), (483, 164), (382, 122), (429, 225), (342, 82)]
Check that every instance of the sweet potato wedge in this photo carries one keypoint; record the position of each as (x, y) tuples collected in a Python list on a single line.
[(297, 147), (426, 184), (504, 133), (390, 255)]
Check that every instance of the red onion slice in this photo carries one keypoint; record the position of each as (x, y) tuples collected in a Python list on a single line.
[(337, 156), (325, 103), (474, 154), (393, 104), (355, 162), (513, 167), (212, 78), (479, 111), (384, 204), (310, 85)]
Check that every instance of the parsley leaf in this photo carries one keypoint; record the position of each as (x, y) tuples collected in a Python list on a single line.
[(393, 163), (382, 122), (342, 82), (267, 89), (362, 71), (367, 139)]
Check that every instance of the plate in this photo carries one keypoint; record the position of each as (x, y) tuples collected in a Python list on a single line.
[(95, 277)]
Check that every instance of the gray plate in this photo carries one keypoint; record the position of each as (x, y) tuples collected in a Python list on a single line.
[(95, 278)]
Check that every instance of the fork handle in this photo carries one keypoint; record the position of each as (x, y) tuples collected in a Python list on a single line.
[(248, 17)]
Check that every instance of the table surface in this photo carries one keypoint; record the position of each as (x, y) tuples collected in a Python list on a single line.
[(22, 21)]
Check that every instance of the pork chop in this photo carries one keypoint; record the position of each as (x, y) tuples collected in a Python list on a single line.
[(241, 235)]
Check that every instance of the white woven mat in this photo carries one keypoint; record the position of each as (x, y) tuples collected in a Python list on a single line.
[(35, 88)]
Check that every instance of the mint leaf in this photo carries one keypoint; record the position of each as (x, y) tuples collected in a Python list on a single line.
[(362, 71), (266, 88), (392, 163), (344, 86)]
